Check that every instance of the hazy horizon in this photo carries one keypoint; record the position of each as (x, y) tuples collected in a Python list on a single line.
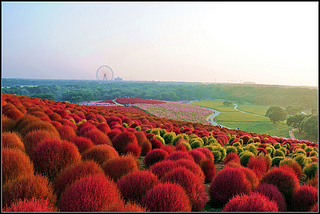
[(272, 43)]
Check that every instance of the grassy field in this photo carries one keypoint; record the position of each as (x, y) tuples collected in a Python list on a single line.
[(255, 109), (304, 136), (234, 119)]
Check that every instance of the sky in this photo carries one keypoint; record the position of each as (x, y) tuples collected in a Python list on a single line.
[(214, 42)]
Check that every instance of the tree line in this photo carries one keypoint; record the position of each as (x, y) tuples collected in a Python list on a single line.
[(89, 90)]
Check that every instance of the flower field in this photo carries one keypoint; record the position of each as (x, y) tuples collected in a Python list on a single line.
[(177, 111), (63, 157)]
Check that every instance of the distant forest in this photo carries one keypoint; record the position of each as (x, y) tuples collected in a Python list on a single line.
[(91, 90)]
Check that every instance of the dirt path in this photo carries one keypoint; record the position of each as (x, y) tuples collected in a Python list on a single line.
[(291, 134)]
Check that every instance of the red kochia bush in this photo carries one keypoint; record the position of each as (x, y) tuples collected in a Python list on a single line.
[(191, 184), (12, 140), (100, 153), (67, 132), (250, 203), (272, 192), (207, 152), (51, 156), (90, 194), (231, 157), (134, 149), (305, 198), (75, 172), (141, 137), (15, 164), (27, 187), (226, 184), (176, 155), (146, 147), (258, 164), (314, 208), (209, 169), (121, 141), (7, 123), (193, 167), (113, 133), (82, 143), (166, 197), (120, 166), (104, 127), (156, 143), (12, 113), (154, 156), (35, 137), (98, 137), (284, 179), (134, 185), (198, 156), (162, 167), (31, 205)]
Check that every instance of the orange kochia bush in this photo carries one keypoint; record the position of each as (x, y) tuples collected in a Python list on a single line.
[(12, 140)]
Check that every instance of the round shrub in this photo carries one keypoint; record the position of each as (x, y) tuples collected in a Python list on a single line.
[(126, 207), (35, 137), (304, 198), (251, 177), (226, 184), (258, 164), (176, 155), (51, 156), (209, 169), (169, 148), (168, 137), (284, 179), (12, 113), (31, 205), (15, 164), (231, 157), (141, 137), (24, 121), (314, 208), (244, 157), (134, 185), (134, 149), (162, 167), (12, 140), (158, 137), (166, 197), (28, 187), (310, 170), (121, 141), (198, 156), (278, 152), (66, 132), (98, 137), (294, 165), (193, 167), (39, 125), (120, 166), (276, 160), (231, 149), (191, 184), (8, 124), (207, 152), (75, 172), (146, 147), (100, 153), (222, 152), (82, 143), (154, 156), (301, 159), (254, 202), (90, 194), (272, 192), (156, 143)]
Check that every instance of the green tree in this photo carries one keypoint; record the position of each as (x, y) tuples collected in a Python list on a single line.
[(227, 103), (292, 110), (276, 113), (310, 125), (295, 120)]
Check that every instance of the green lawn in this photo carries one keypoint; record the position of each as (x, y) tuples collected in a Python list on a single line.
[(304, 136), (214, 104), (255, 109), (239, 117)]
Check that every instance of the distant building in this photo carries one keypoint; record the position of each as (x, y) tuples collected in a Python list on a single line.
[(248, 82), (118, 79)]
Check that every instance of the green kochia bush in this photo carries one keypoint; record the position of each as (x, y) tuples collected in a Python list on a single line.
[(311, 170), (301, 159), (276, 160), (244, 157), (160, 138), (219, 151), (168, 137), (279, 152), (231, 149)]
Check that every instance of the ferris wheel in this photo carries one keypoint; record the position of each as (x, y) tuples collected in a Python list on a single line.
[(104, 73)]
